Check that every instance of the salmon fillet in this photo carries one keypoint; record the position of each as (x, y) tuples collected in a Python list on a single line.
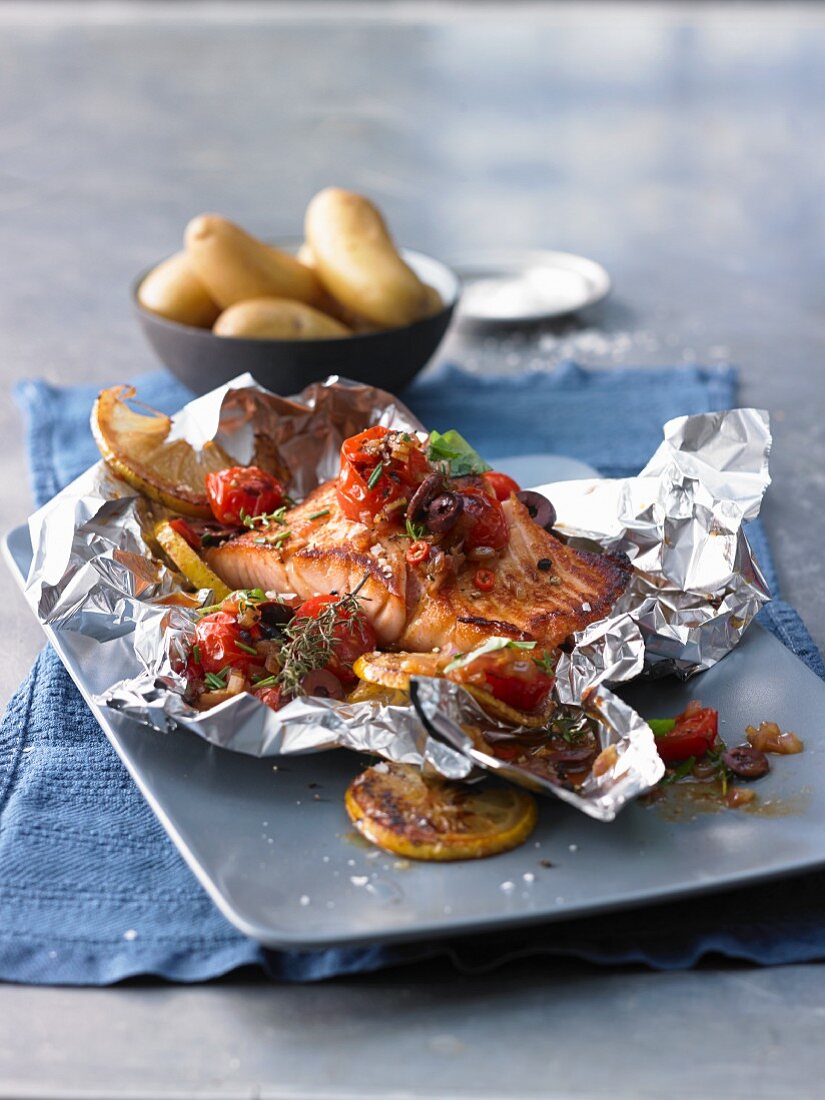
[(544, 590)]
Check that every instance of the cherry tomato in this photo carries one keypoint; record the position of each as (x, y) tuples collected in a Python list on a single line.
[(353, 636), (221, 641), (186, 532), (483, 519), (242, 491), (378, 467), (484, 580), (419, 551), (271, 696), (501, 484), (512, 675), (694, 733)]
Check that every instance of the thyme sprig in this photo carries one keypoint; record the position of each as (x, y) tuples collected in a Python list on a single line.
[(310, 642), (415, 531)]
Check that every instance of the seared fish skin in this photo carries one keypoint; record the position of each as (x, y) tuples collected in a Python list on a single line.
[(543, 591)]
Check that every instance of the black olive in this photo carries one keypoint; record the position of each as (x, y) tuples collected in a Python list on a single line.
[(274, 613), (541, 510), (443, 513), (746, 762), (322, 684), (570, 759), (426, 492), (544, 564)]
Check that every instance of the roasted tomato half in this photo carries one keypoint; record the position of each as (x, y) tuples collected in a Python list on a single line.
[(379, 467), (483, 519), (353, 635), (501, 484), (693, 734), (220, 641), (515, 676), (241, 491)]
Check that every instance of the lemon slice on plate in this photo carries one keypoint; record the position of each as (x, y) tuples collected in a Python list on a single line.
[(134, 445), (419, 817), (193, 567)]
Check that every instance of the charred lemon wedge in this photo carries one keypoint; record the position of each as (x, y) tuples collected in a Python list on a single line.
[(393, 671), (193, 567), (419, 817), (135, 446)]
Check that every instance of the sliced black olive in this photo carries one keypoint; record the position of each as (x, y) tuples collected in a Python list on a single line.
[(544, 564), (541, 510), (746, 762), (426, 492), (569, 760), (275, 613), (322, 684), (443, 513)]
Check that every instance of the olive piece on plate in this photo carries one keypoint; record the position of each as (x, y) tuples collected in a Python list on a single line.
[(426, 492), (541, 510), (746, 762), (322, 684), (443, 513)]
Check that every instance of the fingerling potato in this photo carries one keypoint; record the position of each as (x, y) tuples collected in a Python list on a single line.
[(277, 319), (173, 290), (358, 262), (235, 266)]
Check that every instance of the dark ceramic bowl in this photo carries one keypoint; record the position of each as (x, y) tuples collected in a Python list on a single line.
[(388, 359)]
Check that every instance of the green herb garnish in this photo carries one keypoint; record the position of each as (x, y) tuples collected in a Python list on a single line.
[(265, 681), (247, 648), (492, 645), (415, 531), (264, 519), (318, 515), (545, 663), (661, 726), (217, 680), (685, 768), (196, 649), (453, 451), (375, 475)]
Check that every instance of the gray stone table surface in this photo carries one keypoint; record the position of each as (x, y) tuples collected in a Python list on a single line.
[(680, 145)]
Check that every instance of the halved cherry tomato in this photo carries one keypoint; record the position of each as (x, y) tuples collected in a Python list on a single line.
[(512, 675), (353, 636), (501, 484), (378, 467), (693, 735), (483, 519), (484, 580), (220, 641), (419, 551), (242, 491), (271, 696)]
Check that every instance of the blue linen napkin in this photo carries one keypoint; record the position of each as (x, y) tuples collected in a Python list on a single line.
[(92, 890)]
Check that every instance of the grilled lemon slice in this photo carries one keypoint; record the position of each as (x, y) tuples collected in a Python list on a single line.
[(193, 567), (418, 817), (134, 445)]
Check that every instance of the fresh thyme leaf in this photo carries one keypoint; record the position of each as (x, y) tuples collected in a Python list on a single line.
[(415, 531), (247, 648), (375, 475)]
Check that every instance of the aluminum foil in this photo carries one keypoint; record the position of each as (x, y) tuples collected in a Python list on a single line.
[(695, 587)]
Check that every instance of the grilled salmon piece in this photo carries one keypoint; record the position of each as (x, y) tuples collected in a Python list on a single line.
[(327, 553), (543, 589)]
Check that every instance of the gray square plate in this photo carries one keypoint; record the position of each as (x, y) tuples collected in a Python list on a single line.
[(274, 848)]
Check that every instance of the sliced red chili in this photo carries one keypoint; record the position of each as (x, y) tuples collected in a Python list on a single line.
[(419, 551), (484, 580)]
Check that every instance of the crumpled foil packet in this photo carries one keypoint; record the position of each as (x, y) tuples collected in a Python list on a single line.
[(694, 589)]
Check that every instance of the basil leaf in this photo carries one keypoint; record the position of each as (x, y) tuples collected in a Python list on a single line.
[(661, 726), (454, 449), (490, 646)]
